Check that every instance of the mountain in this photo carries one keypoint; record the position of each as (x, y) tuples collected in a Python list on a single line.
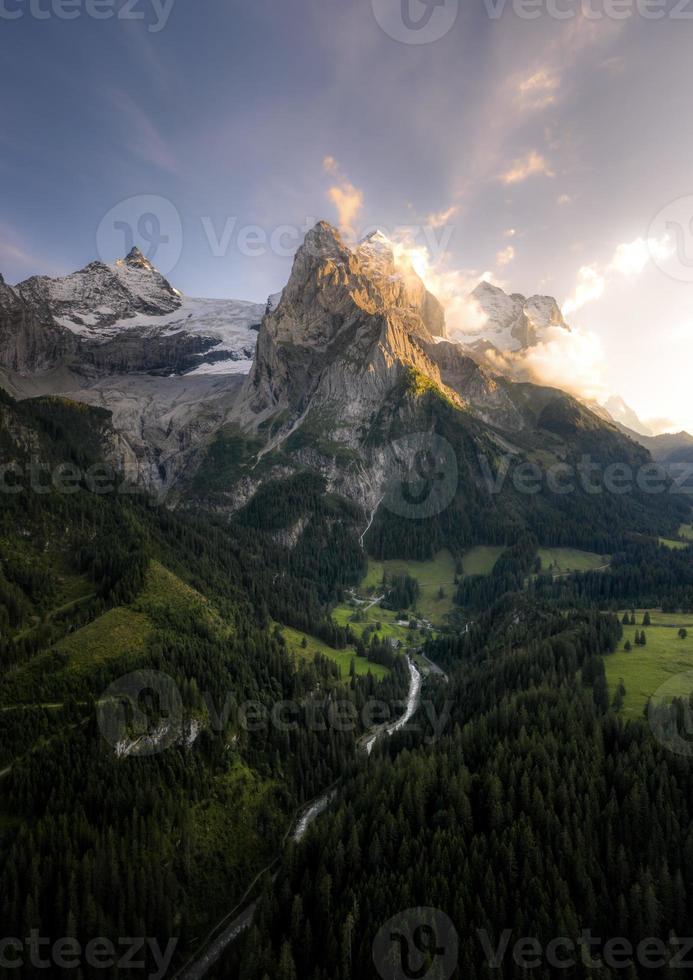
[(674, 450), (353, 384), (515, 322), (121, 337), (623, 414), (29, 338), (345, 377), (120, 318)]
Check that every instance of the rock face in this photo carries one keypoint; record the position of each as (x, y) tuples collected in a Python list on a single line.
[(355, 391), (515, 322), (29, 340), (347, 327)]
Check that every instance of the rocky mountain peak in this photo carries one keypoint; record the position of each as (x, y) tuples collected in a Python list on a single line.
[(513, 321), (350, 324), (135, 259)]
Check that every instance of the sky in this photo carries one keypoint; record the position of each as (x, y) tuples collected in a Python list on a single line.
[(543, 144)]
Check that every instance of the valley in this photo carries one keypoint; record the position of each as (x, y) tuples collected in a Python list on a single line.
[(300, 512)]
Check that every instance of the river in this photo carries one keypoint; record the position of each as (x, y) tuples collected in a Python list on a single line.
[(199, 967)]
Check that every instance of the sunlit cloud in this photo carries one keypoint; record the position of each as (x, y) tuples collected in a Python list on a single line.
[(589, 287), (629, 260), (347, 199), (440, 218), (505, 256), (564, 199), (524, 167), (539, 90), (572, 360), (451, 286)]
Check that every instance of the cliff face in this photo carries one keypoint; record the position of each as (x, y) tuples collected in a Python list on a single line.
[(348, 326), (29, 340)]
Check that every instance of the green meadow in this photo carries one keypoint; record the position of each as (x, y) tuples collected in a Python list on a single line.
[(343, 658), (482, 559), (645, 669), (432, 576), (561, 561)]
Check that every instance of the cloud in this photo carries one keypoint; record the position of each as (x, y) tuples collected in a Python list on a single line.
[(590, 286), (564, 199), (629, 260), (572, 360), (661, 425), (13, 250), (440, 218), (452, 287), (144, 138), (539, 90), (347, 199), (531, 164)]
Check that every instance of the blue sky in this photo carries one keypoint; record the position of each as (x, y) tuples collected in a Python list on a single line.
[(542, 149)]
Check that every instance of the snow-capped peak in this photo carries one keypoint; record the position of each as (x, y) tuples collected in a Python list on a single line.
[(377, 239), (136, 259), (515, 322)]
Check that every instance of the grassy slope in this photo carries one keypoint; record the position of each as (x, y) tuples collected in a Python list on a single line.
[(644, 669), (342, 658), (482, 559), (562, 560), (119, 635), (686, 531)]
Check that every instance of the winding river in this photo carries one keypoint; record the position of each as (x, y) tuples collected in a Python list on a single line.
[(198, 968)]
